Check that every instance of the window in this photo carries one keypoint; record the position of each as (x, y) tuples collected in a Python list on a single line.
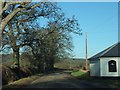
[(112, 66)]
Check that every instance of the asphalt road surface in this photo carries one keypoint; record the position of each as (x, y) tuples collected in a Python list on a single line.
[(63, 80)]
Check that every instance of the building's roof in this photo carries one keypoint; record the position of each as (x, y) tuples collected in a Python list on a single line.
[(112, 51)]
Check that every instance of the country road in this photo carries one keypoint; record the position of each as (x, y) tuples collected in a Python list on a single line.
[(62, 80)]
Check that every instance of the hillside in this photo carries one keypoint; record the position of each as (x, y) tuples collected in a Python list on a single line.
[(71, 63)]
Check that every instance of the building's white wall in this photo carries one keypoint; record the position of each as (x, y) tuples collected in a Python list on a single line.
[(94, 68), (105, 69), (119, 66)]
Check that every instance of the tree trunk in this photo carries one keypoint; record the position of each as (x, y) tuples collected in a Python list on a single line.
[(16, 57), (16, 61), (50, 63)]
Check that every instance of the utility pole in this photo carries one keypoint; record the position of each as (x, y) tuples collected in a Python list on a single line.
[(86, 51)]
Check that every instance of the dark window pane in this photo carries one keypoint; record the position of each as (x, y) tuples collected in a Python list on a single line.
[(112, 66)]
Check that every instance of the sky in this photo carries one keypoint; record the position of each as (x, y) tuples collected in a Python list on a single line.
[(98, 19)]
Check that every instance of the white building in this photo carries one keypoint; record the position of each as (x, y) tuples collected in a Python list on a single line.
[(106, 63)]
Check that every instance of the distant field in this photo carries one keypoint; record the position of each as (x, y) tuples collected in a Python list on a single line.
[(6, 58), (70, 64)]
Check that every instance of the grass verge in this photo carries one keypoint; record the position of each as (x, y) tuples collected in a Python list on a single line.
[(113, 81), (77, 73), (22, 82)]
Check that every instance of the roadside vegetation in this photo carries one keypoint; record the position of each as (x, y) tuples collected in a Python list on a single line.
[(22, 82), (78, 73), (10, 75), (83, 75)]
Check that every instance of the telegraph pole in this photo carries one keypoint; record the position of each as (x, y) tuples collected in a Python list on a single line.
[(86, 51)]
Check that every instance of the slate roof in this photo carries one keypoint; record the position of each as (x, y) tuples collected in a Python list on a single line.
[(112, 51)]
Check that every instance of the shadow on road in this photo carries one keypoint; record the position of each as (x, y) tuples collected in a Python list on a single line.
[(59, 78)]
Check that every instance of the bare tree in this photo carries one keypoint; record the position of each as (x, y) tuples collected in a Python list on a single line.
[(20, 25), (54, 41), (47, 43), (7, 16)]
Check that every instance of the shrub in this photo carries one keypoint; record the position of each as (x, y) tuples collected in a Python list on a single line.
[(8, 75)]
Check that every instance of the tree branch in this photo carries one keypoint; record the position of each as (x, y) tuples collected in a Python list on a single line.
[(9, 17)]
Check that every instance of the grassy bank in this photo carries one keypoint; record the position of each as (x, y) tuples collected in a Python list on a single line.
[(10, 74), (114, 81), (22, 82)]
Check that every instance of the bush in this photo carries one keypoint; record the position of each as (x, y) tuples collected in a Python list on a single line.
[(8, 75), (33, 70), (83, 68)]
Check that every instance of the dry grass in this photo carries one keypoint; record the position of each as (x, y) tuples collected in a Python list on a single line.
[(22, 82)]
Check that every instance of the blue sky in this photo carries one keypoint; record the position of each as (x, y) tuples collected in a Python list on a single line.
[(99, 19)]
